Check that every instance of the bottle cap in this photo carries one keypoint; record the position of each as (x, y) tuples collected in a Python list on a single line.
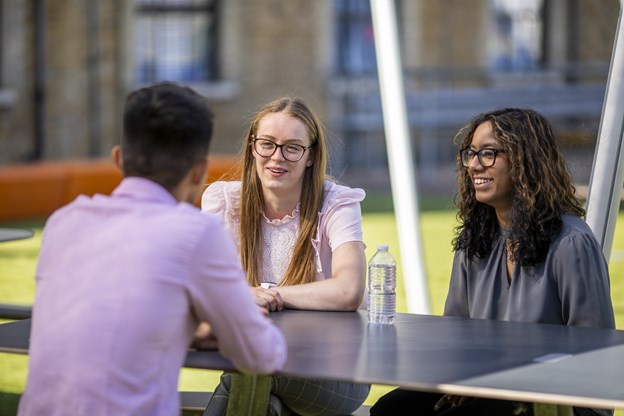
[(382, 247)]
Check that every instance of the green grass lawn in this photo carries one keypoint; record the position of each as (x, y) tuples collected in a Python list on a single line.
[(18, 261)]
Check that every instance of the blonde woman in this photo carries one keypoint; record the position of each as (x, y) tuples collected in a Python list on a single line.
[(300, 240)]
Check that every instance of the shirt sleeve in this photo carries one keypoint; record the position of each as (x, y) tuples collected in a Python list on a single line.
[(342, 215), (457, 298), (213, 199), (223, 199), (221, 297), (582, 276)]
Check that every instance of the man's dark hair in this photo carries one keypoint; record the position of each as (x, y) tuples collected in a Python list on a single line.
[(166, 129)]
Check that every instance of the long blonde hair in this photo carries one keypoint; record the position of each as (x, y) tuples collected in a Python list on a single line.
[(301, 268)]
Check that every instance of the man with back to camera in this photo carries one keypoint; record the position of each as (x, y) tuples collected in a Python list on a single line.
[(124, 280)]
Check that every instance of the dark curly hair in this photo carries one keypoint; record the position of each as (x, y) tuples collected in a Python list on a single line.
[(542, 189)]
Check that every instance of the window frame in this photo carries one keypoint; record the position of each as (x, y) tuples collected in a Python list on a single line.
[(211, 8)]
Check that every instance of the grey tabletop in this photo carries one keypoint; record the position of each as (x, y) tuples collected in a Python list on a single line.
[(507, 360), (516, 361), (11, 234)]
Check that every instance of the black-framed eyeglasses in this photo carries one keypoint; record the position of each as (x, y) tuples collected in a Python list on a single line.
[(291, 152), (486, 157)]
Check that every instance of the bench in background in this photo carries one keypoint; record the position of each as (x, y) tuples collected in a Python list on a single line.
[(36, 190)]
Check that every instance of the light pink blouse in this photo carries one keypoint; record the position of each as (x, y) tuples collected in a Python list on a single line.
[(340, 221)]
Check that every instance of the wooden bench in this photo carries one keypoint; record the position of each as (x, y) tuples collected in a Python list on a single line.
[(9, 311), (194, 402)]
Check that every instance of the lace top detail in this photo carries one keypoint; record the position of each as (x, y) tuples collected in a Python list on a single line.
[(279, 238)]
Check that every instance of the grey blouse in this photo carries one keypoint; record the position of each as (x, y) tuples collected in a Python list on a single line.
[(570, 287)]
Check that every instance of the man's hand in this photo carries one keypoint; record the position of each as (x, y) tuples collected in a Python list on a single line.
[(204, 338)]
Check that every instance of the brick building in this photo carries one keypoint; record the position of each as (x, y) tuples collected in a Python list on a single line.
[(66, 65)]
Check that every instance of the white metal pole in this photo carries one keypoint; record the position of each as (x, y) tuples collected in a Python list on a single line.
[(607, 178), (399, 150)]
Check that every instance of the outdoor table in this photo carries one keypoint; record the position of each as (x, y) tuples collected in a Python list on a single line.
[(11, 234), (542, 363)]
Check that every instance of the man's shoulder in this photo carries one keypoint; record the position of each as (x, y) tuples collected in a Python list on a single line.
[(68, 209), (190, 213)]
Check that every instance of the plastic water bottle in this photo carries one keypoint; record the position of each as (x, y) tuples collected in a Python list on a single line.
[(382, 287)]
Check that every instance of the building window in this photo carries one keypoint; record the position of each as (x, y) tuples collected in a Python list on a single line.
[(517, 29), (176, 40), (356, 42)]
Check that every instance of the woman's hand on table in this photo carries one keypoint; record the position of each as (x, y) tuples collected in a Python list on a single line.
[(268, 298)]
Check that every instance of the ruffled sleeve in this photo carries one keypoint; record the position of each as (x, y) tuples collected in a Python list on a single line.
[(213, 199), (340, 221), (342, 214), (223, 199)]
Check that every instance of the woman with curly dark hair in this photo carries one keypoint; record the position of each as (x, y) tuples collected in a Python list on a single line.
[(522, 249)]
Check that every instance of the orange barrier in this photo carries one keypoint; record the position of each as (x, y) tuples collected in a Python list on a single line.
[(36, 190)]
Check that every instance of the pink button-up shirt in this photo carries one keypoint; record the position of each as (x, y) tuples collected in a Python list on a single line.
[(122, 282)]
